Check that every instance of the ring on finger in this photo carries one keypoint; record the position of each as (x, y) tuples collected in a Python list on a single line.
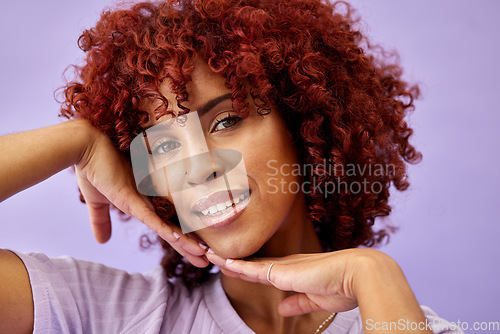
[(269, 273)]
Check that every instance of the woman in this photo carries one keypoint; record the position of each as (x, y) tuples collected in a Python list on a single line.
[(319, 123)]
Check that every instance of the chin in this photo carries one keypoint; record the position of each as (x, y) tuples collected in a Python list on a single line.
[(235, 248)]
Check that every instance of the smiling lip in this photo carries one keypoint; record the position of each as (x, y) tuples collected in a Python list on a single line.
[(225, 216), (217, 198)]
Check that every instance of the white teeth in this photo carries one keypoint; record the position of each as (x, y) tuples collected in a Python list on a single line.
[(217, 209)]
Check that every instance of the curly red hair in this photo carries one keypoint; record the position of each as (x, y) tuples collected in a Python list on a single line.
[(343, 103)]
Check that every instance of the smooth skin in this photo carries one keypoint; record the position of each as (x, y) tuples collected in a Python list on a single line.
[(306, 283)]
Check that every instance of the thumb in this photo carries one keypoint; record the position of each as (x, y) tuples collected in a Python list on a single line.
[(297, 305), (100, 221)]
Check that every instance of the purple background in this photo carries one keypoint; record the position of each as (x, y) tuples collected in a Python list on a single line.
[(448, 239)]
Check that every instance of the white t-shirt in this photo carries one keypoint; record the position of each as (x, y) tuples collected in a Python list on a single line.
[(75, 296)]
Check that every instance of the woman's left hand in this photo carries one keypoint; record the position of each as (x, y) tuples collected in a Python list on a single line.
[(324, 281), (337, 281)]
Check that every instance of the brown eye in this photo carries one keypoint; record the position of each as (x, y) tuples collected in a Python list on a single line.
[(226, 123)]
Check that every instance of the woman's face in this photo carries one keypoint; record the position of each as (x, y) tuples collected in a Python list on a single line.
[(258, 208)]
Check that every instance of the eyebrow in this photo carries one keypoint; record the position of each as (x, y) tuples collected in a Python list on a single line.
[(213, 103), (206, 107)]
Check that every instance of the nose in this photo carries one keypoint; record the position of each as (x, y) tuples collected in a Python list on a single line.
[(203, 168)]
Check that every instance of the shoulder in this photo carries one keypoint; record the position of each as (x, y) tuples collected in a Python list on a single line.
[(88, 279), (78, 296)]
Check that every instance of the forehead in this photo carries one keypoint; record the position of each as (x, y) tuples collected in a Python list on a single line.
[(205, 86)]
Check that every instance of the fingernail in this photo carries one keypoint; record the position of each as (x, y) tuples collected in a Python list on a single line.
[(202, 246), (228, 261), (176, 235), (211, 251)]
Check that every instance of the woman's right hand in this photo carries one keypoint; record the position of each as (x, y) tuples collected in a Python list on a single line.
[(105, 177)]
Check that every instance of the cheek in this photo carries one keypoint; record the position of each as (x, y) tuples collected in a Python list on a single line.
[(268, 152), (273, 177)]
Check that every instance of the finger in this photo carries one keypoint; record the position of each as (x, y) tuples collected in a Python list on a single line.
[(215, 259), (185, 242), (199, 261), (100, 221), (220, 262), (132, 204), (247, 270), (298, 304), (229, 273), (191, 242), (242, 277), (255, 271)]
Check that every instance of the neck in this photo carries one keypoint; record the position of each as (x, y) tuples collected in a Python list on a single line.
[(256, 303)]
